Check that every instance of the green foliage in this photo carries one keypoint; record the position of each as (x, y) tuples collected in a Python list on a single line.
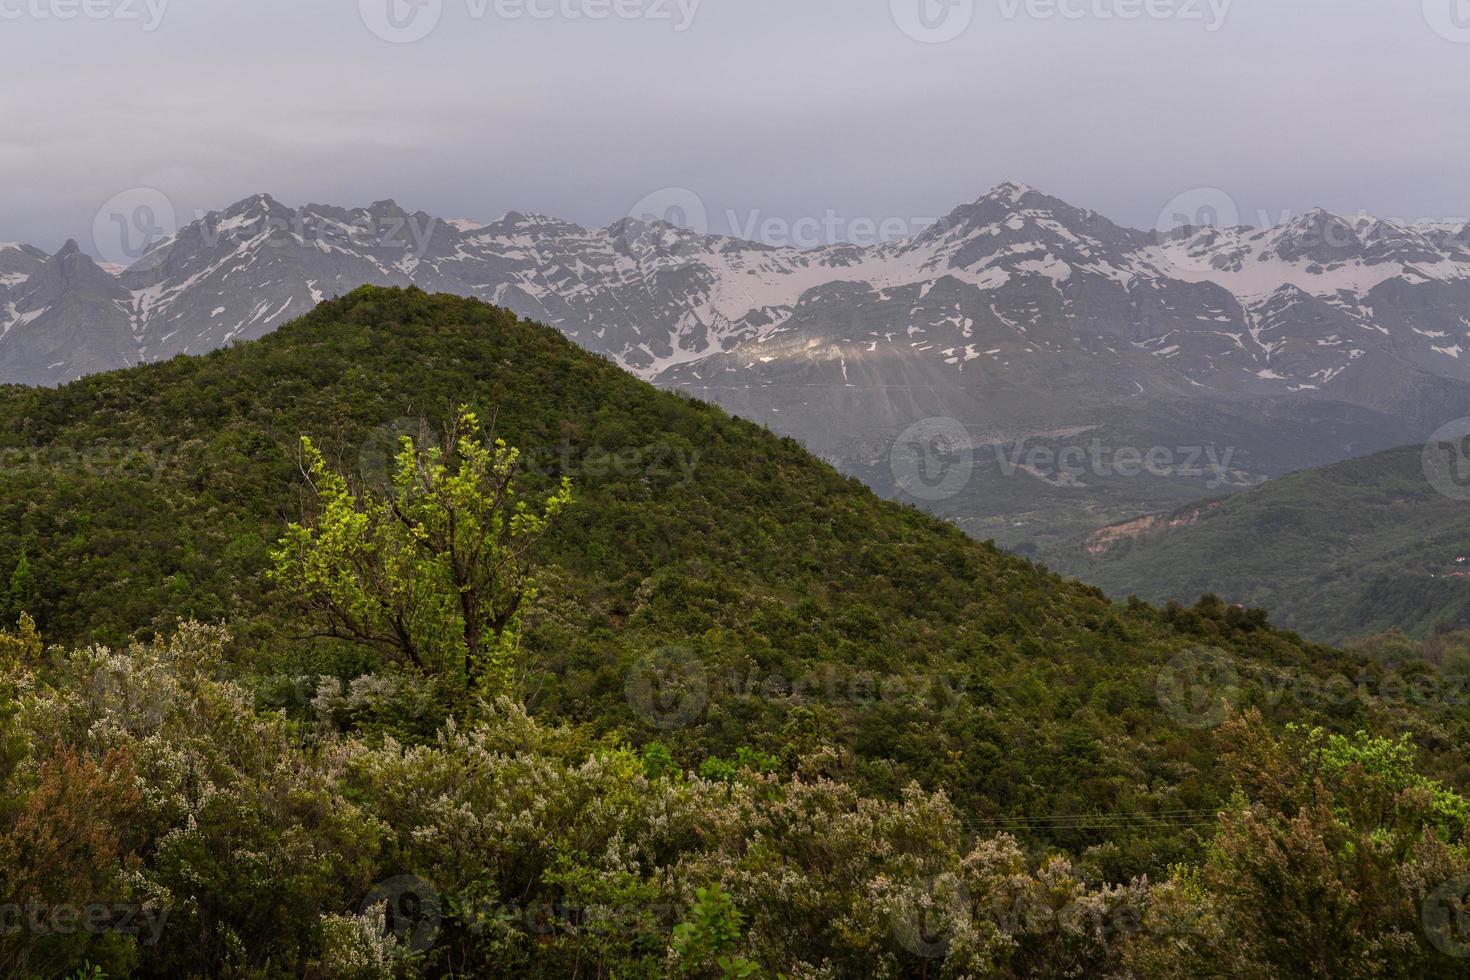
[(1324, 865), (658, 761), (816, 612), (746, 759), (706, 942), (911, 754), (20, 594), (436, 568), (88, 971), (23, 646), (1387, 762), (147, 783)]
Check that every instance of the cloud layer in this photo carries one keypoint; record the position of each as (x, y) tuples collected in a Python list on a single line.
[(869, 109)]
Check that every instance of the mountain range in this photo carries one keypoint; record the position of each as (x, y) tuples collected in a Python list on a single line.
[(1027, 321)]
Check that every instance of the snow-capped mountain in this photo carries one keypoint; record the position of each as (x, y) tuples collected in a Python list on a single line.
[(1017, 314), (1289, 308)]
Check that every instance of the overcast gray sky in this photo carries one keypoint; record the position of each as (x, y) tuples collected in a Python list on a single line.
[(767, 108)]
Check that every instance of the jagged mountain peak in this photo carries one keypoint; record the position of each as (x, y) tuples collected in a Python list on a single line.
[(24, 249), (650, 224), (1011, 191), (524, 222), (1012, 209), (18, 263), (256, 204), (1316, 219), (68, 318), (1282, 296), (1014, 196), (69, 268), (1025, 271), (1318, 236)]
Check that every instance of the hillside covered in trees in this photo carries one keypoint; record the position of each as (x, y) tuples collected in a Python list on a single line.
[(738, 717), (1337, 552)]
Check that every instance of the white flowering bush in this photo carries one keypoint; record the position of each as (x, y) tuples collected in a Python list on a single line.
[(245, 843), (499, 846)]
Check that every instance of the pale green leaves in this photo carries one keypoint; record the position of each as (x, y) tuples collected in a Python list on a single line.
[(436, 569)]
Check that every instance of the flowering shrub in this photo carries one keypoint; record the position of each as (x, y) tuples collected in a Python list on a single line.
[(218, 838)]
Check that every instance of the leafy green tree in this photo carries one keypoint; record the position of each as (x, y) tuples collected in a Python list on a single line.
[(435, 569), (1326, 864), (716, 769), (20, 594), (658, 761), (710, 936)]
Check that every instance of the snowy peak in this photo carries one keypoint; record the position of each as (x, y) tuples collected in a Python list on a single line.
[(1020, 202), (536, 225), (1012, 276), (1318, 236), (16, 252), (1015, 195), (17, 264)]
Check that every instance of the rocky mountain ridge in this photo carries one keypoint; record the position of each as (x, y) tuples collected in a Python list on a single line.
[(1018, 315)]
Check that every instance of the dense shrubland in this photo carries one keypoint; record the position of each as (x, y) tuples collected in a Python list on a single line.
[(733, 718), (225, 840)]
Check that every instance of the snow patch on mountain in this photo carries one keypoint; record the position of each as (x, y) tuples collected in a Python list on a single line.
[(1013, 273)]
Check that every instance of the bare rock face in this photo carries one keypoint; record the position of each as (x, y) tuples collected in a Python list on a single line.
[(68, 318)]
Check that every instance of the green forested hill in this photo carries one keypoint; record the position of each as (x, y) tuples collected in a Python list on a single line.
[(154, 494), (715, 599), (1336, 552)]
